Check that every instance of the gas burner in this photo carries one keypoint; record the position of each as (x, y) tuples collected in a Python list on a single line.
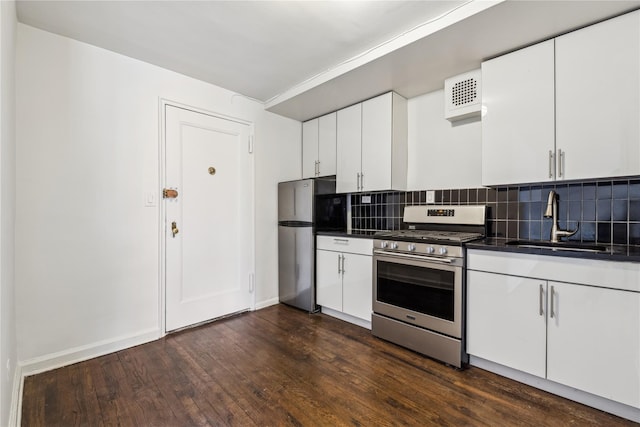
[(437, 235)]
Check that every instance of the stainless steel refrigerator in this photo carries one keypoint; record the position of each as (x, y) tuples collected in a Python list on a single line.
[(296, 240)]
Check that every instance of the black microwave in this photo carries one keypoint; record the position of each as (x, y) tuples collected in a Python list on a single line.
[(331, 212)]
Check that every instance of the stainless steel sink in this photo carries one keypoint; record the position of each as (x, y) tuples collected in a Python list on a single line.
[(560, 246)]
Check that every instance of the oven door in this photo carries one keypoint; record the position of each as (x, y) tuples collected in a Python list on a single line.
[(421, 292)]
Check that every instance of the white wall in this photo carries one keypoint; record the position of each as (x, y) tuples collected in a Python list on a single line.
[(441, 155), (8, 344), (86, 247)]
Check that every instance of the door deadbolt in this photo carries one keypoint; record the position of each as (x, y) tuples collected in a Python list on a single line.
[(212, 170), (169, 193), (174, 229)]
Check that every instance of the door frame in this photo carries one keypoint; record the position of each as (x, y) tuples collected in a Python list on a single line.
[(162, 238)]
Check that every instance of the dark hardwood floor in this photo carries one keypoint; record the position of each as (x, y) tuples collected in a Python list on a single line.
[(280, 366)]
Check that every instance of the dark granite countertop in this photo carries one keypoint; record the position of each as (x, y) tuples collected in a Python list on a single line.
[(621, 253)]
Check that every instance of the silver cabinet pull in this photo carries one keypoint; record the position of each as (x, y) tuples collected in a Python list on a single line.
[(318, 167), (342, 265), (358, 182), (541, 300), (551, 163), (339, 271), (551, 304), (560, 163), (362, 181)]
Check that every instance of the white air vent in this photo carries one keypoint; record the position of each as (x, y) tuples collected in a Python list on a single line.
[(462, 96)]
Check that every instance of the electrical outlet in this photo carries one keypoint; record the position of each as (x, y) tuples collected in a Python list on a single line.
[(431, 196)]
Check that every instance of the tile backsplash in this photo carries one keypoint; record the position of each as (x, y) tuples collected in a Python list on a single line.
[(605, 211)]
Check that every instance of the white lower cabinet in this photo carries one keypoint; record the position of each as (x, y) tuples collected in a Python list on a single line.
[(344, 275), (593, 341), (504, 322), (581, 335)]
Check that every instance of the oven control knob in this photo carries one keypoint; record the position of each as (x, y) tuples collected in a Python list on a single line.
[(442, 251), (411, 247), (394, 245), (430, 250), (384, 245)]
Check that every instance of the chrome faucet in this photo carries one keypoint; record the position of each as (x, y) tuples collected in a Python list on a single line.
[(552, 212)]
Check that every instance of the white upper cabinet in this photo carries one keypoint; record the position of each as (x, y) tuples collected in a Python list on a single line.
[(518, 116), (327, 143), (567, 108), (372, 145), (598, 100), (310, 148), (319, 146), (349, 149)]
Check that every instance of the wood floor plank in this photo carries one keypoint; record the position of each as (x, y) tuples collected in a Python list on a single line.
[(282, 367)]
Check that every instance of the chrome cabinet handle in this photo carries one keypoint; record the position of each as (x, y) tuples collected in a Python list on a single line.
[(551, 305), (550, 163), (358, 182), (560, 163), (362, 181), (339, 271), (342, 264), (541, 300)]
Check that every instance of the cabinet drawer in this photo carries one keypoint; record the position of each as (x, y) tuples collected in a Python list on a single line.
[(607, 274), (345, 244)]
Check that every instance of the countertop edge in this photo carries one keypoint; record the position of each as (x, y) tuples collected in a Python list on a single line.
[(619, 253)]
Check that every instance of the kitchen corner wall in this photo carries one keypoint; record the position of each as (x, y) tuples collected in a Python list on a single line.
[(87, 247), (608, 211), (9, 374)]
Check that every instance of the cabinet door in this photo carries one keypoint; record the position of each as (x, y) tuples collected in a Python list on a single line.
[(377, 126), (504, 320), (357, 287), (349, 142), (598, 99), (594, 341), (518, 116), (309, 148), (327, 128), (329, 279)]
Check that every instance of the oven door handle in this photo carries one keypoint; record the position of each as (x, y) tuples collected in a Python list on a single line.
[(420, 257)]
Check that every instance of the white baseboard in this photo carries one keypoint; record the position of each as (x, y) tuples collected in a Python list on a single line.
[(606, 405), (266, 303), (15, 415), (51, 361)]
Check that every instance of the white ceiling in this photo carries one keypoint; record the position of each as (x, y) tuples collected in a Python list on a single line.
[(256, 48), (306, 58)]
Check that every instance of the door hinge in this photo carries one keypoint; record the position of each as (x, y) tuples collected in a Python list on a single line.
[(250, 144), (252, 283)]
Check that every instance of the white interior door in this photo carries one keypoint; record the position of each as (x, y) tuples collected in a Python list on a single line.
[(209, 225)]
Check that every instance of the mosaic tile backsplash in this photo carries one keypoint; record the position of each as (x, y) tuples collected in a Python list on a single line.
[(604, 211)]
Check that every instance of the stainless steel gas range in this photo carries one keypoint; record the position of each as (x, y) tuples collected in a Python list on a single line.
[(419, 280)]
